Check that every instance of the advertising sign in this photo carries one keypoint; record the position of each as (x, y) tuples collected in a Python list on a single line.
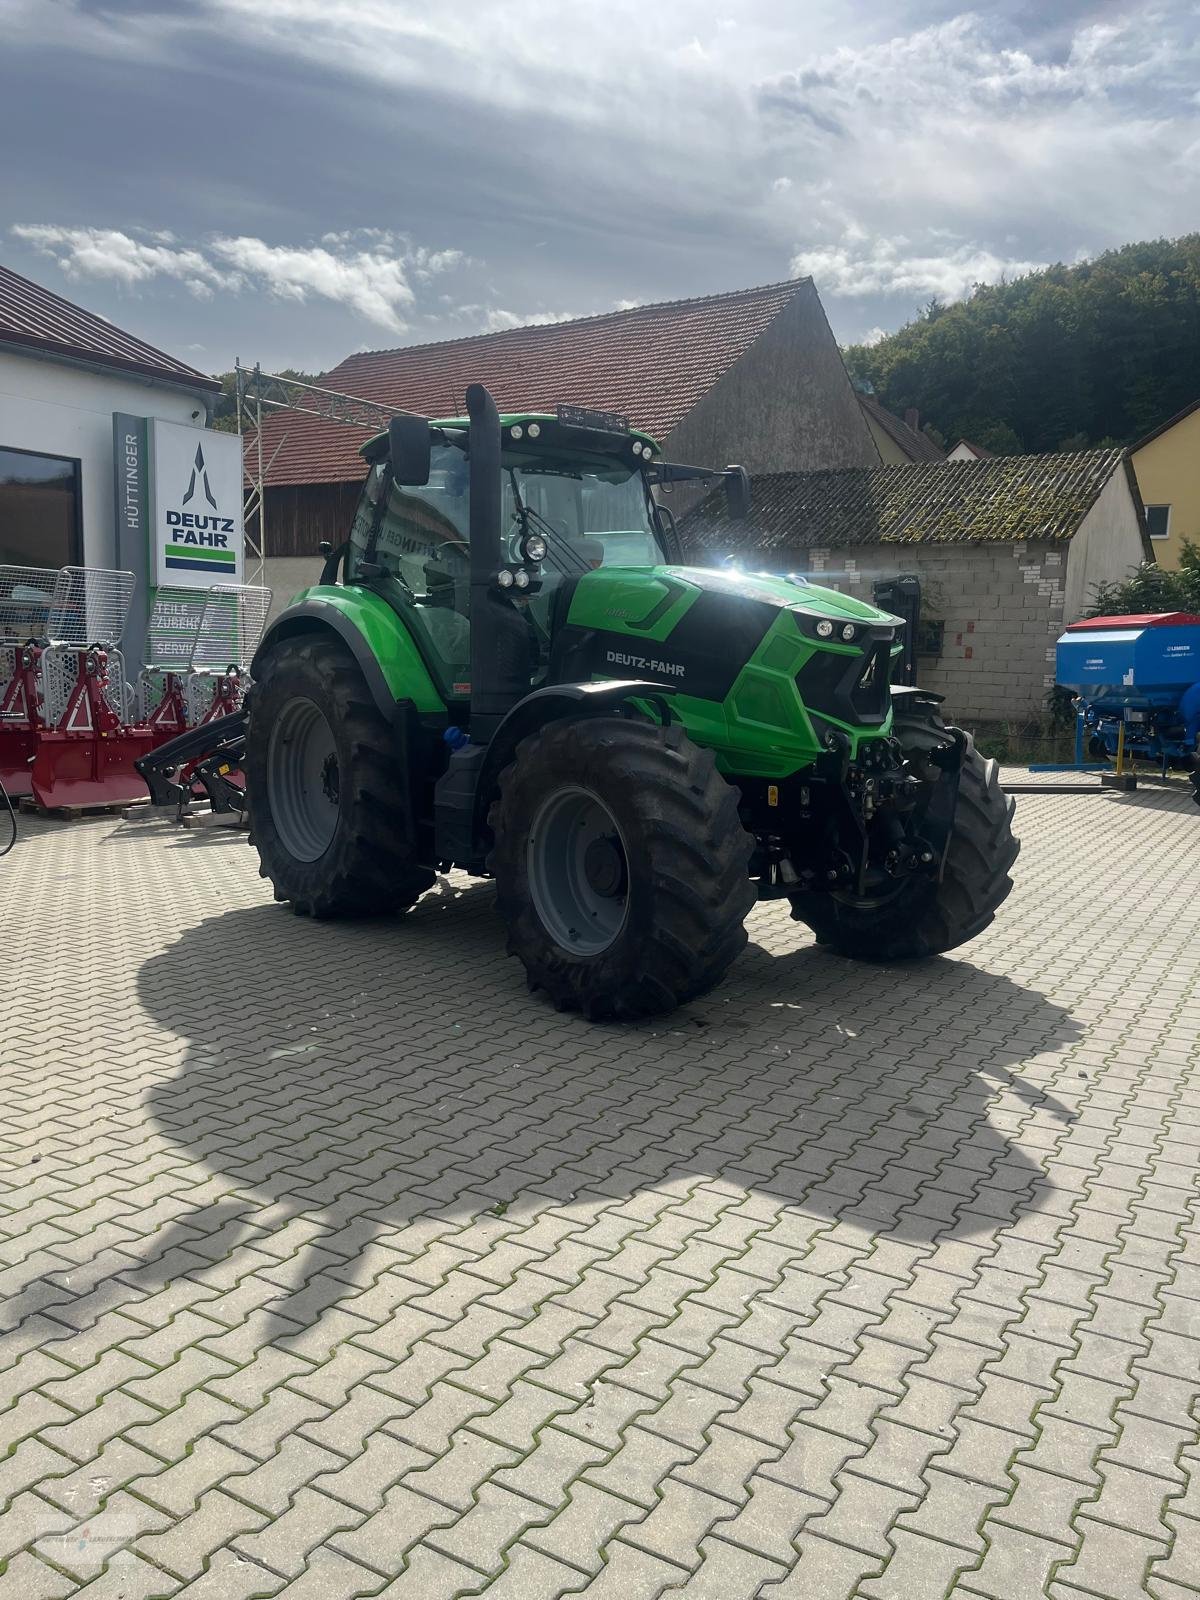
[(131, 478), (196, 525)]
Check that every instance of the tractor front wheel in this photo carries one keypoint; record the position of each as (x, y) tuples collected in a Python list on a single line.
[(621, 866), (919, 917), (323, 775)]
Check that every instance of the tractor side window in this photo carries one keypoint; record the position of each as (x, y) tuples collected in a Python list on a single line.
[(423, 546)]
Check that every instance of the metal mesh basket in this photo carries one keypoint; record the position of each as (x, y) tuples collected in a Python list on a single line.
[(60, 673), (175, 621), (90, 606), (26, 598), (235, 618)]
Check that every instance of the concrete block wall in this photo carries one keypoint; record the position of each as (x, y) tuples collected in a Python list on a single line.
[(1002, 606)]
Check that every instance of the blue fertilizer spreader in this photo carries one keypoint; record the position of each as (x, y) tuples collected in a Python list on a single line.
[(1138, 682)]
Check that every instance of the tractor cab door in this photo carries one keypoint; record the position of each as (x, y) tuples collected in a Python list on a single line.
[(415, 544)]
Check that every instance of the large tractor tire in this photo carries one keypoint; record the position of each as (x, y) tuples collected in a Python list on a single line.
[(621, 866), (920, 917), (323, 776)]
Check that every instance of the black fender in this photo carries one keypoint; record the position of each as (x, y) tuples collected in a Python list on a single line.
[(554, 702), (316, 616)]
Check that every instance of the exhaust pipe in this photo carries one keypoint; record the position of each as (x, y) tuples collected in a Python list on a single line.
[(500, 639)]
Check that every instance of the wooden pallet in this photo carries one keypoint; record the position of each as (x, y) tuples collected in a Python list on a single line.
[(29, 807), (216, 819)]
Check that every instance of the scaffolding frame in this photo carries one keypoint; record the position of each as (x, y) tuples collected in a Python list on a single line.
[(260, 394)]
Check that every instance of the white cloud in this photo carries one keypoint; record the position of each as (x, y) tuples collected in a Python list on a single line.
[(890, 149), (370, 282), (374, 282), (130, 262), (950, 156), (860, 266), (495, 320)]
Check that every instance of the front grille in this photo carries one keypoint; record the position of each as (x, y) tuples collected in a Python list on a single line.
[(871, 694), (852, 689)]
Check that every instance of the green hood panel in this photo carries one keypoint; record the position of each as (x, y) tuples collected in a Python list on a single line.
[(731, 645), (631, 597)]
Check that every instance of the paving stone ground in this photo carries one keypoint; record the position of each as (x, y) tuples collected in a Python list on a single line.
[(334, 1264)]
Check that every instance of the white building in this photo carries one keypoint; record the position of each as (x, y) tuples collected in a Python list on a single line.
[(64, 374), (964, 450)]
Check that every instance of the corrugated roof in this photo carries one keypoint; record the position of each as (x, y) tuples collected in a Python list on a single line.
[(917, 446), (1006, 498), (652, 363), (36, 319)]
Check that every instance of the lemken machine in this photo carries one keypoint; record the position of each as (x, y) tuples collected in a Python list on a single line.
[(1138, 682)]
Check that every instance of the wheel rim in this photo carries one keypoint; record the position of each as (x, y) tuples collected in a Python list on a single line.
[(578, 871), (303, 781)]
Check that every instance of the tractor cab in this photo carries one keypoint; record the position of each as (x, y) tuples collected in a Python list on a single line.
[(575, 493)]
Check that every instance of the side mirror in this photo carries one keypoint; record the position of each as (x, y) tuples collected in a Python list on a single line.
[(408, 447), (737, 493)]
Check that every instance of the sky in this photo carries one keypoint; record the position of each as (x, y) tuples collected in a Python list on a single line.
[(289, 181)]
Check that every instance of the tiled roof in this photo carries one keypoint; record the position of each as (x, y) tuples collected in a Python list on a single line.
[(653, 363), (917, 446), (1008, 497), (36, 319)]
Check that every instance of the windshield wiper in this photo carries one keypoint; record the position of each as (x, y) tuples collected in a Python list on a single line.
[(555, 541)]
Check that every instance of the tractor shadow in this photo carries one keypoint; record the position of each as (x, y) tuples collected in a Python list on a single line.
[(363, 1088)]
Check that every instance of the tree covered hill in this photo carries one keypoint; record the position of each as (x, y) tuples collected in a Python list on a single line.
[(1058, 360)]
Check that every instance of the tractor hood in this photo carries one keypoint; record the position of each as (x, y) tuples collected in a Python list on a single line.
[(787, 594)]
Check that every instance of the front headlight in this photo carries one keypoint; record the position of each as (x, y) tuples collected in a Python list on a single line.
[(534, 548)]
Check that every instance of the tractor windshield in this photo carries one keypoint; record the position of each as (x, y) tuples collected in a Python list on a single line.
[(421, 543), (586, 520)]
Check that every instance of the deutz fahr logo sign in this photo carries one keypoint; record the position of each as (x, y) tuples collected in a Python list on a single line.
[(197, 495), (201, 542)]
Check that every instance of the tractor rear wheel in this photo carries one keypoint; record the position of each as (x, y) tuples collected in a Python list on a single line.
[(621, 866), (920, 917), (323, 776)]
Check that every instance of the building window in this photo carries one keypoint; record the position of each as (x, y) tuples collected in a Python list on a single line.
[(1158, 519), (931, 638), (39, 509)]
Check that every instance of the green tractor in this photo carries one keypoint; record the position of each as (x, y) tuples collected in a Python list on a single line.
[(508, 668)]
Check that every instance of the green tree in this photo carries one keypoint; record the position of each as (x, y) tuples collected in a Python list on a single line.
[(1064, 358), (1151, 588)]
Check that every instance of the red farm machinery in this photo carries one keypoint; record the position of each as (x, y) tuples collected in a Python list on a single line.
[(68, 729), (192, 692), (71, 724)]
